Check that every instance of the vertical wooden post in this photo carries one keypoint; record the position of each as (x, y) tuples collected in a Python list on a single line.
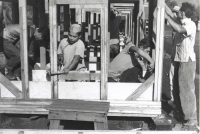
[(53, 47), (24, 49), (104, 43), (159, 50)]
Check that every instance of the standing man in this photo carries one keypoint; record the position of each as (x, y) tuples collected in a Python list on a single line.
[(185, 62)]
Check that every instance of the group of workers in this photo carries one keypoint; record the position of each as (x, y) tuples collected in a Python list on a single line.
[(125, 66)]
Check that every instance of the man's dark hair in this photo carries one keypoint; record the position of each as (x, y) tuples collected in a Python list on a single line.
[(45, 33), (145, 43), (188, 9)]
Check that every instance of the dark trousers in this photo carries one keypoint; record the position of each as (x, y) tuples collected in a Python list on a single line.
[(130, 75), (12, 54)]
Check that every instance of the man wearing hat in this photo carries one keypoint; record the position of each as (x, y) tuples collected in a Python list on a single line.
[(71, 50)]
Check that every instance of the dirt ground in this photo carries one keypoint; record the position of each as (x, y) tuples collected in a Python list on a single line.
[(41, 122)]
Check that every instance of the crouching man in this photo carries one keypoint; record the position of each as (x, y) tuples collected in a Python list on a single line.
[(125, 67)]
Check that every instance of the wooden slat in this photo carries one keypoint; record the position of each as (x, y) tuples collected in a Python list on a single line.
[(80, 76), (117, 108), (43, 57), (79, 105), (53, 47), (104, 43), (100, 125), (33, 131), (54, 124), (142, 88), (159, 50), (24, 48), (79, 116), (80, 2), (10, 86)]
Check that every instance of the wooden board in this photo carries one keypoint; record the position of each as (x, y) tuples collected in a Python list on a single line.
[(80, 2), (117, 108), (81, 90), (32, 131)]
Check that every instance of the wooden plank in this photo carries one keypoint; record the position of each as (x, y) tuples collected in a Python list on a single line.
[(142, 88), (33, 131), (46, 6), (117, 108), (10, 86), (53, 47), (80, 2), (80, 76), (123, 5), (159, 50), (43, 57), (54, 124), (24, 48), (76, 116), (104, 43), (100, 125)]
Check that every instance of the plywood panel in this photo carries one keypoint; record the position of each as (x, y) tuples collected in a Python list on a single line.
[(120, 91), (79, 90)]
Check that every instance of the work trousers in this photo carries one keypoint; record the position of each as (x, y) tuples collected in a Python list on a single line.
[(12, 53), (184, 88)]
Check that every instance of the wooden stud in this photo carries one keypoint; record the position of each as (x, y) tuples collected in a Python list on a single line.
[(159, 51), (24, 48), (10, 86), (53, 47), (141, 89), (54, 124)]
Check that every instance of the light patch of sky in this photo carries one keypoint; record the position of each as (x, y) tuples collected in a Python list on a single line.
[(195, 2)]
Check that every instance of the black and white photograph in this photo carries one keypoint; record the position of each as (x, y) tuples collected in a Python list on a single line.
[(99, 66)]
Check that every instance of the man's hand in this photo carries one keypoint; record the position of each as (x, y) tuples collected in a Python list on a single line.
[(66, 70), (151, 66), (7, 35), (60, 59)]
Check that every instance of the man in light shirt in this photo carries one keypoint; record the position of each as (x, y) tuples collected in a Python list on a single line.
[(185, 63)]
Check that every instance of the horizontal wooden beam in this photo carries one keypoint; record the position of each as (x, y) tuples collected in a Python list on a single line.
[(81, 2), (123, 4), (74, 75), (33, 131), (117, 108), (124, 1)]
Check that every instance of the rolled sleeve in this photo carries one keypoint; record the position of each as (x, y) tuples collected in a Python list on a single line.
[(80, 50)]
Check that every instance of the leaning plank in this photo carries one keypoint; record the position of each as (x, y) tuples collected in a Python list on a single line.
[(141, 88), (10, 86), (74, 75)]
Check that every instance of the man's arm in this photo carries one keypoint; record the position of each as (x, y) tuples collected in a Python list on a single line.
[(177, 27), (74, 63), (143, 54), (169, 12)]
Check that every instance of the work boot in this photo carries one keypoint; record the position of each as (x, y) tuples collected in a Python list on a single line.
[(10, 75)]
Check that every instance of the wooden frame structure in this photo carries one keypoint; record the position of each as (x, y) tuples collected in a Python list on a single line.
[(39, 94)]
